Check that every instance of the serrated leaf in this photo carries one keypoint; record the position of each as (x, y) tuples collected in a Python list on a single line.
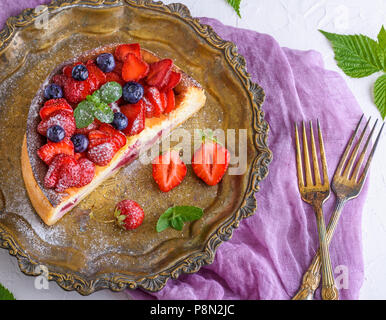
[(380, 95), (5, 294), (110, 92), (382, 37), (235, 5), (84, 114), (357, 55)]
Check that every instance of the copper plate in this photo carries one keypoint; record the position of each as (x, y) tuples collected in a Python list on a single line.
[(85, 255)]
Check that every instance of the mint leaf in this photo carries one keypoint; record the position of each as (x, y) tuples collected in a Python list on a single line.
[(84, 114), (103, 112), (235, 5), (110, 92), (357, 55), (175, 217), (5, 294), (380, 94)]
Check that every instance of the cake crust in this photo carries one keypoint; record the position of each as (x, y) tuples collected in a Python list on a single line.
[(50, 205)]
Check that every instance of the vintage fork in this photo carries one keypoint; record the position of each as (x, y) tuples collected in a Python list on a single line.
[(346, 186), (316, 194)]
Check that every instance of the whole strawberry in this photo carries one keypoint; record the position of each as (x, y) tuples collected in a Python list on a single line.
[(129, 215)]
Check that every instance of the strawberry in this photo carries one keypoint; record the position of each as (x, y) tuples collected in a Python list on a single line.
[(48, 152), (174, 80), (52, 176), (97, 137), (164, 101), (159, 73), (60, 80), (134, 68), (118, 68), (135, 114), (171, 101), (122, 51), (69, 176), (119, 137), (86, 173), (154, 106), (96, 77), (129, 214), (63, 118), (112, 76), (102, 154), (168, 170), (93, 126), (210, 162), (80, 155), (53, 105), (76, 91)]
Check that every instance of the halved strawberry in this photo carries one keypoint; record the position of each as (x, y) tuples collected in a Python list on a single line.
[(156, 107), (60, 80), (76, 91), (63, 118), (69, 176), (168, 170), (122, 51), (52, 176), (93, 126), (48, 152), (102, 154), (174, 80), (134, 68), (53, 105), (96, 77), (164, 101), (159, 73), (80, 155), (210, 162), (87, 172), (118, 136), (112, 76), (118, 68), (97, 137), (171, 101), (135, 114)]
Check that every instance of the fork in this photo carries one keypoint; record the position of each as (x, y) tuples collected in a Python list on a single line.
[(316, 194), (346, 185)]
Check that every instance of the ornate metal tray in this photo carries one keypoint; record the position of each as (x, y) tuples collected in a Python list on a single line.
[(82, 254)]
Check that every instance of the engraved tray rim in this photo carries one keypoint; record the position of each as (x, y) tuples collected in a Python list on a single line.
[(258, 171)]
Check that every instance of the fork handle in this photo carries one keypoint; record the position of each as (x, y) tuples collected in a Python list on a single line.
[(311, 278)]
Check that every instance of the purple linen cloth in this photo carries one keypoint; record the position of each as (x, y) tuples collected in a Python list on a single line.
[(271, 250)]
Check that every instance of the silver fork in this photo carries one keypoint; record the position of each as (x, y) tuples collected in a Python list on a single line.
[(347, 184)]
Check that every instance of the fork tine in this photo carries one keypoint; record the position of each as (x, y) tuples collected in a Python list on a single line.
[(323, 155), (298, 158), (366, 169), (315, 157), (346, 172), (355, 174), (307, 165), (348, 148)]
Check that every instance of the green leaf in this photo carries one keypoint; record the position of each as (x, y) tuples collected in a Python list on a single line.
[(357, 55), (103, 112), (380, 94), (110, 92), (5, 294), (382, 37), (235, 5), (84, 114), (176, 217)]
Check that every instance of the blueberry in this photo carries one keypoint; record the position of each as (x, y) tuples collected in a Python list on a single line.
[(56, 133), (106, 62), (53, 91), (80, 142), (120, 121), (132, 92), (80, 72)]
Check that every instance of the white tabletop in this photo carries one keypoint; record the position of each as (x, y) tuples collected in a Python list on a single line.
[(294, 24)]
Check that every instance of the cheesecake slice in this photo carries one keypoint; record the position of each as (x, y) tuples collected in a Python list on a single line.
[(52, 205)]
